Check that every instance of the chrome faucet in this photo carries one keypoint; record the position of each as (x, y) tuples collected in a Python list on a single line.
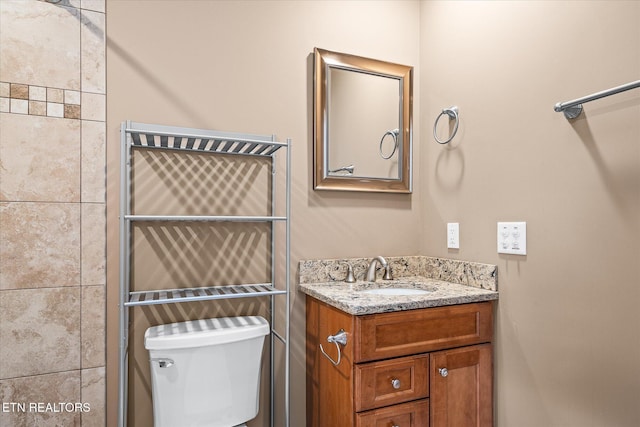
[(371, 271)]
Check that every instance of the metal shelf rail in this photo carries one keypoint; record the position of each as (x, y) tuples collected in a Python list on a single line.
[(140, 135)]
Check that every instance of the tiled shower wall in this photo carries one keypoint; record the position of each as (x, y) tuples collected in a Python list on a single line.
[(52, 212)]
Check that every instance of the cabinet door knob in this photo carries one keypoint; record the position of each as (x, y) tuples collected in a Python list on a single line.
[(395, 383), (443, 371)]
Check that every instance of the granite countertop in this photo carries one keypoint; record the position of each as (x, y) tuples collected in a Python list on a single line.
[(449, 282), (349, 297)]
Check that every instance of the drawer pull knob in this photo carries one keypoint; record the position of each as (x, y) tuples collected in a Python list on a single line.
[(443, 372), (395, 383)]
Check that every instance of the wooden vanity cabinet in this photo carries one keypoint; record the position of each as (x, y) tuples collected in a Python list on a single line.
[(415, 368)]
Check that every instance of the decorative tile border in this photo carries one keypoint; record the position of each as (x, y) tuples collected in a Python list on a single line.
[(21, 98)]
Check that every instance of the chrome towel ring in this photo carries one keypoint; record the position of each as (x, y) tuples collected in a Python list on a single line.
[(394, 134), (339, 338), (452, 112)]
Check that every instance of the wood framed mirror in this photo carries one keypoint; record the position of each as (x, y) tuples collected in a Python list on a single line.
[(362, 124)]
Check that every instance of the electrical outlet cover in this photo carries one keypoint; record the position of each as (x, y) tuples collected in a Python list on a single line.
[(453, 235), (512, 238)]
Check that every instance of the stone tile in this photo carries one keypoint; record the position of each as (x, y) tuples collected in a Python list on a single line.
[(48, 57), (72, 97), (55, 95), (37, 93), (19, 106), (93, 106), (93, 393), (40, 159), (93, 161), (19, 91), (95, 5), (37, 108), (5, 105), (5, 90), (93, 241), (55, 110), (92, 36), (92, 326), (44, 389), (71, 111), (40, 245), (40, 331)]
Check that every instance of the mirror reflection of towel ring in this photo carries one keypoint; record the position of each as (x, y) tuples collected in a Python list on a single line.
[(394, 134), (452, 112)]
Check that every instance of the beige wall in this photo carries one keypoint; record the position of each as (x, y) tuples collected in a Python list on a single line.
[(52, 212), (566, 348), (247, 67)]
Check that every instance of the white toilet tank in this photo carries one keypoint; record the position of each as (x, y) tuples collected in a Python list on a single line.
[(206, 372)]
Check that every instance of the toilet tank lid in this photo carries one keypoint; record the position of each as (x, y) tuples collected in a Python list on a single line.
[(204, 332)]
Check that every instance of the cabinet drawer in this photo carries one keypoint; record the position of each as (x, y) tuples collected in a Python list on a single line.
[(412, 414), (387, 335), (391, 381)]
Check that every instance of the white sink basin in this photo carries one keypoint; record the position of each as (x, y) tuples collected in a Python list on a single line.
[(396, 291)]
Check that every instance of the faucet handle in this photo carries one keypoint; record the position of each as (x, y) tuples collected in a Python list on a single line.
[(350, 277), (387, 273)]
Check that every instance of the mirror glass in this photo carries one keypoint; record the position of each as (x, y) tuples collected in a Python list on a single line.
[(362, 124)]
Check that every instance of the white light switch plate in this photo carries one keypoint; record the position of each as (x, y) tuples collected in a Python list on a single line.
[(512, 238), (453, 235)]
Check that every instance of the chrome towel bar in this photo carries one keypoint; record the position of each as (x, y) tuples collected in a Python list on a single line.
[(572, 109)]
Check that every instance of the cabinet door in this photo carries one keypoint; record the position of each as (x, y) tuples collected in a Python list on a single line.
[(462, 387)]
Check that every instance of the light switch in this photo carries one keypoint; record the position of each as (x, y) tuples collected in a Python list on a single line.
[(453, 235), (512, 238)]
